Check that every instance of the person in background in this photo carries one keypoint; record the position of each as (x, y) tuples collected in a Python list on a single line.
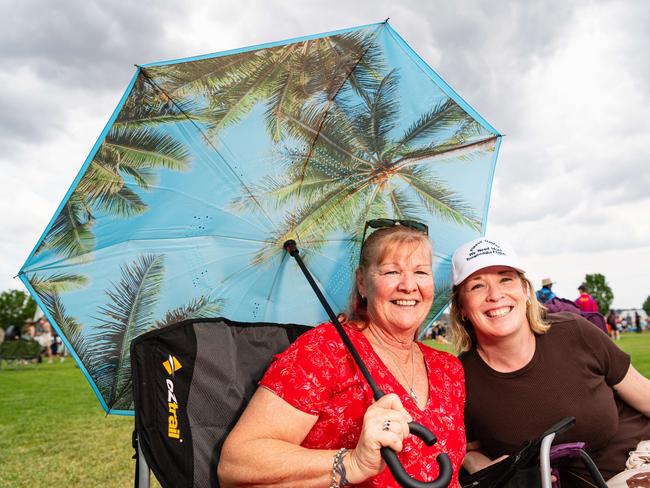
[(58, 348), (544, 294), (29, 331), (525, 370), (585, 301), (637, 322), (29, 334), (313, 421), (44, 338), (12, 333), (612, 323)]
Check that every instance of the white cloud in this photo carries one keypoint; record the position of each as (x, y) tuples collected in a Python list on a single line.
[(572, 190)]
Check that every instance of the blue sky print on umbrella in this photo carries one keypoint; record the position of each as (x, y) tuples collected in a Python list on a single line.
[(209, 164)]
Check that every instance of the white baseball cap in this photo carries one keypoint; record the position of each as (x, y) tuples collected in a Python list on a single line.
[(482, 253)]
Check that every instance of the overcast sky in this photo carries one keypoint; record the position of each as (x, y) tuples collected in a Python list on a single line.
[(567, 82)]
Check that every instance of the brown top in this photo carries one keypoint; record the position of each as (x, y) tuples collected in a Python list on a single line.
[(571, 373)]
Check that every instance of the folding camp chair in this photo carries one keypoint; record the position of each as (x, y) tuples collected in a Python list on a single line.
[(191, 382), (532, 466)]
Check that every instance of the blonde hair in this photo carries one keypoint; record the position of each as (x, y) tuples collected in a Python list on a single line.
[(462, 330), (377, 246)]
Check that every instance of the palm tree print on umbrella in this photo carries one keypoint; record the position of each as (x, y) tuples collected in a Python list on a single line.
[(357, 167), (134, 148), (282, 77), (129, 314), (49, 290), (105, 349), (302, 139)]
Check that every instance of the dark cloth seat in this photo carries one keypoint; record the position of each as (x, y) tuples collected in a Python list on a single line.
[(191, 382)]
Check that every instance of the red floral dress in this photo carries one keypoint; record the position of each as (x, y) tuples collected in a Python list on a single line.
[(317, 375)]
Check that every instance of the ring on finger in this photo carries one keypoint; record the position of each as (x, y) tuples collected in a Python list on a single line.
[(385, 425)]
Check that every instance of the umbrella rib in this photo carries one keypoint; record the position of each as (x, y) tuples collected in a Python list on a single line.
[(329, 105), (332, 143), (479, 145), (275, 281), (319, 281), (459, 214), (232, 62), (337, 193), (207, 141)]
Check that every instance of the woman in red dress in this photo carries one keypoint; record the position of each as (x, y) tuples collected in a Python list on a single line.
[(313, 421)]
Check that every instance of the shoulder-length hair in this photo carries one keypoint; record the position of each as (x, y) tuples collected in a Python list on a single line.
[(462, 330)]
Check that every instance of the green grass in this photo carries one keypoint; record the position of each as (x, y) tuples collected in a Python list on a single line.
[(636, 345), (54, 433), (439, 346)]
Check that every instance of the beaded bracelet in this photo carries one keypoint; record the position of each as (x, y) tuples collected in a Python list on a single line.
[(338, 470)]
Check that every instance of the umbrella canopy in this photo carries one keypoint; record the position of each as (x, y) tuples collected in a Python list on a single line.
[(209, 164)]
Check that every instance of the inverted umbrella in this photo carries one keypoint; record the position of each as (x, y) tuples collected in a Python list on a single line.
[(210, 164)]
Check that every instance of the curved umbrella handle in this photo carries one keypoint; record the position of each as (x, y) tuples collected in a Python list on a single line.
[(400, 474)]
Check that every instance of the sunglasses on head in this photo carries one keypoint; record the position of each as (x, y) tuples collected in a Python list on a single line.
[(384, 223)]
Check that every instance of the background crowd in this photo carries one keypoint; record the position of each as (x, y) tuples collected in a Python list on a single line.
[(38, 332), (617, 321)]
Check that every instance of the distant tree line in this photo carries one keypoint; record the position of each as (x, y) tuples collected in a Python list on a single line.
[(600, 291)]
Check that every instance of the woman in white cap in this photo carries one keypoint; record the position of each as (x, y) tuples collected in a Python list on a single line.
[(525, 370)]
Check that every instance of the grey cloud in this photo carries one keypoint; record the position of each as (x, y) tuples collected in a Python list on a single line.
[(627, 179), (488, 42), (26, 106), (82, 42), (552, 238), (17, 122), (632, 21), (59, 54)]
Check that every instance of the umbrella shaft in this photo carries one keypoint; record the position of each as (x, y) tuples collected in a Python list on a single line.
[(293, 251)]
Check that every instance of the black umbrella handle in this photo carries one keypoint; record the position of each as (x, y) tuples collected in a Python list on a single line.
[(403, 478), (419, 430)]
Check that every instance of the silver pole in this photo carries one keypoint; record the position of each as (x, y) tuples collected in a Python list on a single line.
[(545, 460), (143, 470)]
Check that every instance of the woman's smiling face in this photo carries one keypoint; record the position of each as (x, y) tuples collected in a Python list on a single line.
[(494, 301), (399, 289)]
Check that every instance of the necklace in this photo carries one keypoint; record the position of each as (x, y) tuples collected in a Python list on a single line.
[(412, 392)]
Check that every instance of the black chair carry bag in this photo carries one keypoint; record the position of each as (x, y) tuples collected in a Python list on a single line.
[(191, 382)]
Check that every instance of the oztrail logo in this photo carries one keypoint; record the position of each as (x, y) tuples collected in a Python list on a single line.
[(172, 365)]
